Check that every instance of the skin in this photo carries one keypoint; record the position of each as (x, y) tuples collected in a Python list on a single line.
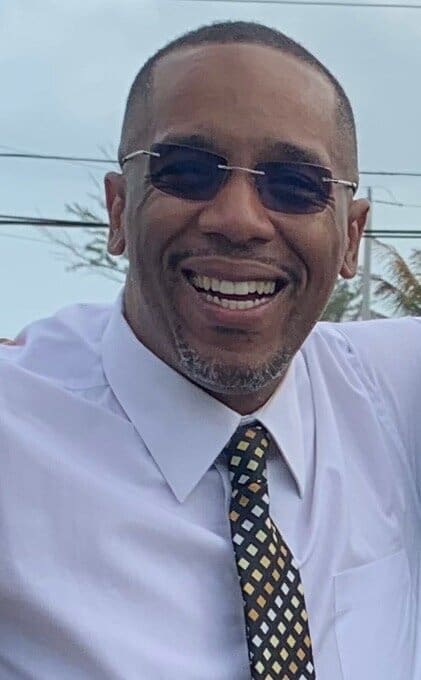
[(243, 99)]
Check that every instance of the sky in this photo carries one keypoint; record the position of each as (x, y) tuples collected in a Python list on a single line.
[(65, 72)]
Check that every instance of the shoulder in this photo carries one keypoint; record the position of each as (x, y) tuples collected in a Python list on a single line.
[(386, 346), (376, 341), (63, 348), (382, 354)]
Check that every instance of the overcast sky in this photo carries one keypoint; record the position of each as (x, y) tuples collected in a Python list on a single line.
[(65, 71)]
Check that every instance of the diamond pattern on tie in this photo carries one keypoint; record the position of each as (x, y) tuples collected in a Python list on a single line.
[(276, 619)]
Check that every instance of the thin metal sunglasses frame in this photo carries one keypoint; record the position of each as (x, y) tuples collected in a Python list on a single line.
[(330, 180)]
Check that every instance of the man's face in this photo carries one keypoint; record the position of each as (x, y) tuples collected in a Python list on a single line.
[(249, 104)]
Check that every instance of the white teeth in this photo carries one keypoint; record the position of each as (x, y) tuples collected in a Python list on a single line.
[(235, 304), (241, 288), (234, 287), (226, 287)]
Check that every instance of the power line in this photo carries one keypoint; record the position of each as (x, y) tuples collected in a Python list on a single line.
[(40, 156), (398, 204), (84, 159), (43, 222), (53, 223), (387, 173), (20, 219), (317, 3)]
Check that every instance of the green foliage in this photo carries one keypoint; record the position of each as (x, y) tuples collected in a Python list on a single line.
[(346, 300), (88, 251), (401, 290)]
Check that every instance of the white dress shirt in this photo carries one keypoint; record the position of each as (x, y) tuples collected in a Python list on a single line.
[(116, 560)]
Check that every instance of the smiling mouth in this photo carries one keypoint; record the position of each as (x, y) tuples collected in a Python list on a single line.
[(235, 295)]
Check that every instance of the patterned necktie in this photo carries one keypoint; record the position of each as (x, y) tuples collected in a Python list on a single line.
[(277, 626)]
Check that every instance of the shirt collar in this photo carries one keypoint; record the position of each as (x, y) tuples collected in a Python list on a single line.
[(183, 427)]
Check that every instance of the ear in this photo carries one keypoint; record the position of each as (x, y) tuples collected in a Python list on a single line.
[(115, 197), (357, 220)]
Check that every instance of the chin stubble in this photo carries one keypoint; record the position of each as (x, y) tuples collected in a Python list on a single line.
[(224, 378)]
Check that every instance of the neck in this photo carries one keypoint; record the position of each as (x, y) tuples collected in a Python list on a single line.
[(243, 403)]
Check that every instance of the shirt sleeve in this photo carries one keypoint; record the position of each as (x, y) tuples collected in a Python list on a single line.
[(390, 353)]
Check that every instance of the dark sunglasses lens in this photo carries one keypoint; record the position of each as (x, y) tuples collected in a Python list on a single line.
[(293, 188), (184, 172)]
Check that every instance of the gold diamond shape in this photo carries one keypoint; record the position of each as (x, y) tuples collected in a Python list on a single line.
[(269, 588), (276, 667), (293, 667), (274, 641), (288, 614), (298, 627), (244, 501), (264, 561), (242, 446), (261, 601), (252, 549), (255, 487), (253, 615), (243, 563), (249, 588), (252, 465), (250, 434), (291, 641), (283, 653), (257, 575), (261, 536)]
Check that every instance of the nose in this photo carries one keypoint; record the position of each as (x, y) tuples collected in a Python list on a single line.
[(236, 212)]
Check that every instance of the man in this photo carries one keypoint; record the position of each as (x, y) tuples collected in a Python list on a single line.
[(201, 482)]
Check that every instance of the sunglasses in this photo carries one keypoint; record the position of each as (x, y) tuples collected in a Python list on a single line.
[(198, 175)]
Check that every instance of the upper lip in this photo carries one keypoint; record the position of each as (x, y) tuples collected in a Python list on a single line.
[(235, 270)]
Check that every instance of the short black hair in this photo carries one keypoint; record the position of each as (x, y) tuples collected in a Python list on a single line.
[(249, 33)]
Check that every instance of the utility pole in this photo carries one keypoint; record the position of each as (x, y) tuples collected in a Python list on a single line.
[(365, 309)]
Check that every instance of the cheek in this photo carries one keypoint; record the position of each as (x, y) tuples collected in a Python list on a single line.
[(318, 244), (157, 225)]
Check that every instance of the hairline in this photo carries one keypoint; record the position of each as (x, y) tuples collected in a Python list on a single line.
[(143, 86)]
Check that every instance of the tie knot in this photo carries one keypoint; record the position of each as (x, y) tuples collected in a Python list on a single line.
[(246, 454)]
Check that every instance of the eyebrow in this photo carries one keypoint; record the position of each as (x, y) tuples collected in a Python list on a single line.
[(287, 151), (271, 150), (205, 142)]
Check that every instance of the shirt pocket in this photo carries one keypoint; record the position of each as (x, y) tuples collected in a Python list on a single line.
[(372, 619)]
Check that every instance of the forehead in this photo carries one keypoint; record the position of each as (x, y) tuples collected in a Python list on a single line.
[(247, 95)]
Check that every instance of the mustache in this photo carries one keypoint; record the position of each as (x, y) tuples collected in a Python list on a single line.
[(236, 253)]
